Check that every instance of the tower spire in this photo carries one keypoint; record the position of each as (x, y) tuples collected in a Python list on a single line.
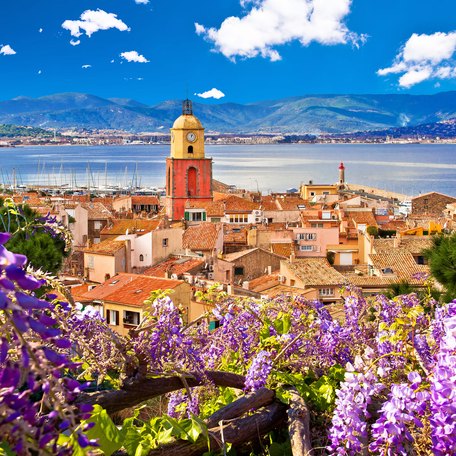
[(187, 108)]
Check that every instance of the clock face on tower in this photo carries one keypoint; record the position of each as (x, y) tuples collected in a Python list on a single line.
[(191, 136)]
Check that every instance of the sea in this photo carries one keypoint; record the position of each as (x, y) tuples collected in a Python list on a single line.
[(409, 169)]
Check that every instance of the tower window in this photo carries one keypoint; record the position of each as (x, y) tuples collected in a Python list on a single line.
[(190, 149)]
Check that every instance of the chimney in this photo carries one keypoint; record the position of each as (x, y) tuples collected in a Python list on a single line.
[(269, 270), (292, 257)]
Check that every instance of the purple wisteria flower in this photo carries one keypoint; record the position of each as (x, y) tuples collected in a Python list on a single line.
[(443, 392), (349, 431), (404, 408), (259, 371)]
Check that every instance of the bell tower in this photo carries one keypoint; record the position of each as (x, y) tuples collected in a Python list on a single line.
[(188, 172)]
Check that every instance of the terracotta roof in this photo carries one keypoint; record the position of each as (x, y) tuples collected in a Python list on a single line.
[(291, 203), (237, 204), (362, 217), (236, 255), (201, 237), (394, 225), (106, 201), (413, 244), (213, 208), (139, 226), (79, 291), (174, 265), (284, 249), (402, 264), (130, 289), (268, 203), (424, 195), (315, 272), (263, 283), (107, 247), (235, 234), (145, 200), (280, 290), (97, 211)]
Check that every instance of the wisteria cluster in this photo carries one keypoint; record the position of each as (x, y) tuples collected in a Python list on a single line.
[(37, 383), (397, 357), (55, 228), (414, 415)]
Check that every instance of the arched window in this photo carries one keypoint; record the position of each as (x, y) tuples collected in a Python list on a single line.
[(190, 149), (141, 257), (192, 178)]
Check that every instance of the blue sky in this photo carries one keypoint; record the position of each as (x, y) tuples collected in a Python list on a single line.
[(269, 49)]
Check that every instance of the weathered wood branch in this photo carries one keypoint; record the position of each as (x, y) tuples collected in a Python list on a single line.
[(237, 432), (299, 425), (137, 390), (242, 405)]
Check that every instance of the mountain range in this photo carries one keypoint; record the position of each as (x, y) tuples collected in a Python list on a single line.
[(309, 114)]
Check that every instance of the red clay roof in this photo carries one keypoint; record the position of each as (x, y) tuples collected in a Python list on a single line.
[(130, 289), (174, 265), (139, 226), (107, 247), (145, 200), (201, 237), (213, 208)]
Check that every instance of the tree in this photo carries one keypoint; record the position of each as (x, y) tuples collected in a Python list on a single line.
[(442, 261), (41, 239)]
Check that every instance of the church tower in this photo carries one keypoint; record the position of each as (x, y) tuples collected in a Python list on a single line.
[(188, 172)]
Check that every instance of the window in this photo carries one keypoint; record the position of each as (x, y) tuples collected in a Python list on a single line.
[(326, 193), (292, 282), (97, 225), (239, 218), (306, 248), (326, 215), (112, 317), (239, 270), (90, 262), (316, 225), (165, 242), (326, 291), (141, 257), (312, 193), (307, 236), (190, 149), (130, 318)]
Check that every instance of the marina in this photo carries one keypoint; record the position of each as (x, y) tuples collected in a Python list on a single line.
[(403, 169)]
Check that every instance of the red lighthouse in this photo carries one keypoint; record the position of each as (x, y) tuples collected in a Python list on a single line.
[(188, 172)]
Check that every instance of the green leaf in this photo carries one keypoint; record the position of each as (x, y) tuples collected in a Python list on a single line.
[(5, 450), (277, 449), (109, 437)]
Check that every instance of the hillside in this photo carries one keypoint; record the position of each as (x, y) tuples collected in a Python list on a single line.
[(311, 114)]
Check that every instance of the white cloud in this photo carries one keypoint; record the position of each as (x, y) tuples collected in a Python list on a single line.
[(213, 93), (75, 42), (133, 56), (6, 50), (424, 57), (93, 21), (40, 30), (40, 72), (85, 67), (142, 2), (270, 23)]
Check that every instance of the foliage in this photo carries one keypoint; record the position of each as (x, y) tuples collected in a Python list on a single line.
[(381, 381), (44, 241), (372, 230), (13, 131), (442, 262)]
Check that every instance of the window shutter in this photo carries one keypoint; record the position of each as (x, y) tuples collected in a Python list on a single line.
[(187, 216), (117, 317), (107, 316), (204, 216)]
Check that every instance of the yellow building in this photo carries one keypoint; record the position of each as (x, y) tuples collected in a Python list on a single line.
[(310, 190)]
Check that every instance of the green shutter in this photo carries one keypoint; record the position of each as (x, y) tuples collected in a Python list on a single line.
[(187, 216), (204, 216)]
